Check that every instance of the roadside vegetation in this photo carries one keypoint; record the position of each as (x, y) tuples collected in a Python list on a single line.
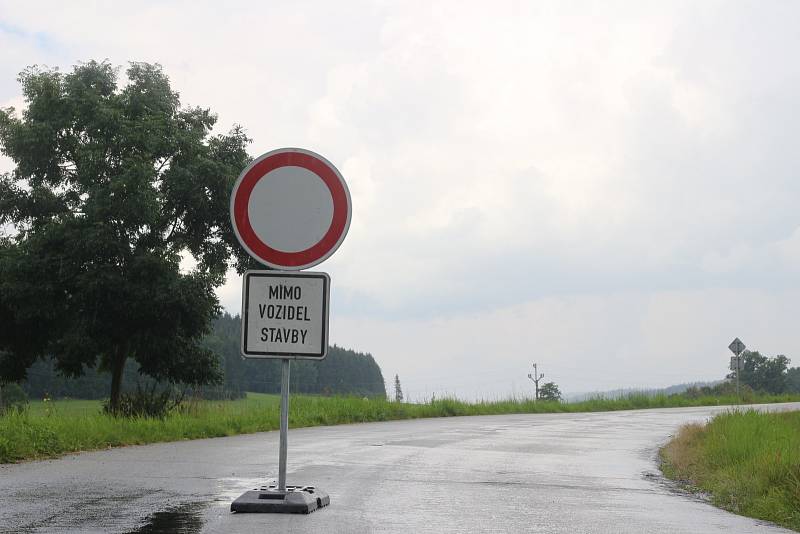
[(748, 462), (50, 428)]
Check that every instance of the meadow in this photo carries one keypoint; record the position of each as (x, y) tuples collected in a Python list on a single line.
[(747, 462), (48, 429)]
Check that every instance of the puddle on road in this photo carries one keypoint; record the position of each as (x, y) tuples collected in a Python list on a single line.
[(183, 519)]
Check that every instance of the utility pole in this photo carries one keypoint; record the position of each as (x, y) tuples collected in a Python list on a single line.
[(535, 377)]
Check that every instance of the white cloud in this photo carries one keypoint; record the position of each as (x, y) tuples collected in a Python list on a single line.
[(537, 163), (584, 343), (788, 251)]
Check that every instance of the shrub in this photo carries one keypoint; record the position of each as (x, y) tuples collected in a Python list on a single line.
[(146, 402), (12, 397)]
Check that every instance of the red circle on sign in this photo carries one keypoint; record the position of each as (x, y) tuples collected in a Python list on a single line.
[(240, 201)]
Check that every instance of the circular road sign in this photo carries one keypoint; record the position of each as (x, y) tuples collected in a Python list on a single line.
[(290, 209)]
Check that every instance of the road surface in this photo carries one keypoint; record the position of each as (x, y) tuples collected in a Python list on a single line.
[(548, 473)]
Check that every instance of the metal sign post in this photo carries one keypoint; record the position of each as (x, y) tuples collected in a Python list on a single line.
[(285, 369), (290, 210), (737, 347)]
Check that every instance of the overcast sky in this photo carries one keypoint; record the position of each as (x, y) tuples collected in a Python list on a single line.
[(609, 189)]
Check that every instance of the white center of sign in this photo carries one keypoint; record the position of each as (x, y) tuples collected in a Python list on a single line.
[(280, 199)]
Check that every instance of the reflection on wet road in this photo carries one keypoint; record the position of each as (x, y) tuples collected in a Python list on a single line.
[(548, 473), (183, 519)]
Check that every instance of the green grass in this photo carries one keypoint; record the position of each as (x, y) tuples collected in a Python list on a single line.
[(51, 428), (749, 462), (66, 407)]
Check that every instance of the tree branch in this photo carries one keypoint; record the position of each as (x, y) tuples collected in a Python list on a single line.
[(166, 160)]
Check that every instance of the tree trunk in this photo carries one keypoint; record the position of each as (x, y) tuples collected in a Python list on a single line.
[(117, 367)]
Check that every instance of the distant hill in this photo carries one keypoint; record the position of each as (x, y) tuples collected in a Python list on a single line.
[(342, 372), (624, 392)]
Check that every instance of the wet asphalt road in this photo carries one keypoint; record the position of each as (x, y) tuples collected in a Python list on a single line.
[(549, 473)]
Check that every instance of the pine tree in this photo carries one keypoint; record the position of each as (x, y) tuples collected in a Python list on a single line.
[(398, 390)]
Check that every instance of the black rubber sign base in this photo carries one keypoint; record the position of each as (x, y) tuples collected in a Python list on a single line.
[(270, 500)]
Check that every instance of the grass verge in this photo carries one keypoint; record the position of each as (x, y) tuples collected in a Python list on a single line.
[(51, 428), (749, 463)]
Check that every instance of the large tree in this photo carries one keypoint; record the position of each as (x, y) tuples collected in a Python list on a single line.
[(793, 380), (762, 373), (113, 185)]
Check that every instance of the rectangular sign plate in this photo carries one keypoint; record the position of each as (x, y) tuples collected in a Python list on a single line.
[(285, 314)]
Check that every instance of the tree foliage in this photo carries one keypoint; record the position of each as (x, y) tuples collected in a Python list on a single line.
[(762, 373), (398, 389), (112, 186), (342, 372), (793, 380), (549, 392), (12, 397)]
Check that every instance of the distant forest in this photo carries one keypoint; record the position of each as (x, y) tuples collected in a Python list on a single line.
[(342, 372)]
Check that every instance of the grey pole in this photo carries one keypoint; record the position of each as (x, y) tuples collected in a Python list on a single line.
[(284, 424), (738, 370)]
